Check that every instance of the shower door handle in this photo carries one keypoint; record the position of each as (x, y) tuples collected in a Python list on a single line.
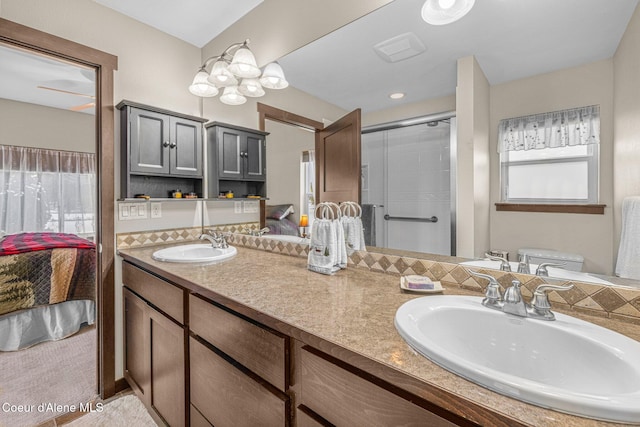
[(406, 218)]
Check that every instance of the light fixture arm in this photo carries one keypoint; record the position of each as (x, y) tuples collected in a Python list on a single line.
[(226, 55)]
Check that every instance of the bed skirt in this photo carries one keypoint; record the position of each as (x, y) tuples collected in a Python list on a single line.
[(25, 328)]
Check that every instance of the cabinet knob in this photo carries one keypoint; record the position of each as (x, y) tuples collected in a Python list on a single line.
[(173, 145), (165, 144), (243, 154)]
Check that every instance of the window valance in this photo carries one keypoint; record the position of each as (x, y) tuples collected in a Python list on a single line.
[(577, 126)]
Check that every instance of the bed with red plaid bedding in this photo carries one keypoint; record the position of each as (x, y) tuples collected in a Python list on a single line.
[(45, 268)]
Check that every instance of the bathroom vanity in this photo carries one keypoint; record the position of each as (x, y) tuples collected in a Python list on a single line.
[(260, 340)]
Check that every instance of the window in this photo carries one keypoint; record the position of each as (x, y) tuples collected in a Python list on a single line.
[(550, 158), (307, 181), (47, 190)]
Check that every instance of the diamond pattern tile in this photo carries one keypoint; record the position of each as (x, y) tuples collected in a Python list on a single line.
[(584, 297)]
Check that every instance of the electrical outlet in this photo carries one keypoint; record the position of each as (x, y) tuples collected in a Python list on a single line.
[(156, 210), (250, 207), (237, 207)]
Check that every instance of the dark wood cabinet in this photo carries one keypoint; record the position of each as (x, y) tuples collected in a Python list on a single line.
[(155, 345), (338, 396), (245, 359), (236, 159), (160, 151)]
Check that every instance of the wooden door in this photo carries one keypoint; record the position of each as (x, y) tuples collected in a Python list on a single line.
[(338, 160), (167, 368), (186, 147), (136, 353)]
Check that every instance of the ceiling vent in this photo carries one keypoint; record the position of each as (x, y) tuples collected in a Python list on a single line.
[(400, 47)]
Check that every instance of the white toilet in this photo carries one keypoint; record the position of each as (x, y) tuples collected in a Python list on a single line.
[(572, 262)]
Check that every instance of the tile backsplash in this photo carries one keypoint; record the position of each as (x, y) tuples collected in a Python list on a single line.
[(612, 302)]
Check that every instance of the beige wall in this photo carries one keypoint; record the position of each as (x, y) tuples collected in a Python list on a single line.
[(284, 154), (32, 125), (472, 176), (626, 122), (588, 235)]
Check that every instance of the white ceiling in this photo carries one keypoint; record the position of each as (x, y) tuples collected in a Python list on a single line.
[(69, 85), (194, 21), (511, 39)]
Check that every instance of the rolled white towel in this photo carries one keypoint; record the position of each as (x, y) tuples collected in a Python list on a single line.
[(628, 263)]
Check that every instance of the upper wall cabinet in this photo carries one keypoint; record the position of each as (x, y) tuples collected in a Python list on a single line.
[(161, 151), (236, 159)]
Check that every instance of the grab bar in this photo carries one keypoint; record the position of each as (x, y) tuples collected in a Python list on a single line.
[(406, 218)]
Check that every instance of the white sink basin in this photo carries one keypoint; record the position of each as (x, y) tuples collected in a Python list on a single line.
[(194, 253), (568, 364), (554, 273)]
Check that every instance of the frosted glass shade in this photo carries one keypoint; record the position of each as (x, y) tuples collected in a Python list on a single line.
[(244, 64), (231, 96), (273, 77), (442, 12), (251, 87), (201, 85), (221, 76)]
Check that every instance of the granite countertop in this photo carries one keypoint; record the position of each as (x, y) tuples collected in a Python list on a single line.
[(354, 309)]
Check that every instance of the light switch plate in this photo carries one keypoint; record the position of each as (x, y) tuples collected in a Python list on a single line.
[(237, 207)]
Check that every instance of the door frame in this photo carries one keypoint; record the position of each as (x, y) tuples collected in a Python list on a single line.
[(104, 64), (267, 112)]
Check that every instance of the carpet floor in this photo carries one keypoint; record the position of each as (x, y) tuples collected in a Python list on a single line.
[(125, 411), (47, 379)]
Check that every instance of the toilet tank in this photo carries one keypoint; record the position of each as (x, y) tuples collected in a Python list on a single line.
[(572, 262)]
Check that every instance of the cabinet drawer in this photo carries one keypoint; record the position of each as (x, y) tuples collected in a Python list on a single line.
[(163, 295), (197, 419), (345, 399), (228, 397), (258, 349), (304, 420)]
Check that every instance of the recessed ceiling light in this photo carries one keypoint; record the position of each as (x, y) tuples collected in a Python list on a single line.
[(396, 95)]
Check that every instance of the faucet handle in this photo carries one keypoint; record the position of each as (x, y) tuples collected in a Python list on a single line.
[(504, 264), (540, 301), (492, 297), (542, 268)]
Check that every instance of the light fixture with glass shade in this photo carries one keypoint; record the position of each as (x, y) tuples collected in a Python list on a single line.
[(237, 74), (442, 12)]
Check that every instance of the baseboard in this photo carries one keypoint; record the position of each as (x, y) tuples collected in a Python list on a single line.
[(121, 385)]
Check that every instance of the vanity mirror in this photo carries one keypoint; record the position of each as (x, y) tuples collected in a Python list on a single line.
[(518, 62)]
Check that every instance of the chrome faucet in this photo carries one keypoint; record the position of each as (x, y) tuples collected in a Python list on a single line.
[(504, 264), (542, 268), (256, 233), (523, 265), (218, 240), (513, 303)]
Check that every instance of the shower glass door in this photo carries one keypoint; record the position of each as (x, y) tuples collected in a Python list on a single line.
[(406, 175)]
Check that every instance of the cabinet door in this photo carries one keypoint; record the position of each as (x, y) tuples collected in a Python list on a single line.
[(136, 360), (186, 147), (230, 147), (228, 397), (149, 142), (167, 373), (254, 157)]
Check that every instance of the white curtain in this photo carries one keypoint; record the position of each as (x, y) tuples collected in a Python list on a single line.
[(309, 180), (47, 190), (578, 126)]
